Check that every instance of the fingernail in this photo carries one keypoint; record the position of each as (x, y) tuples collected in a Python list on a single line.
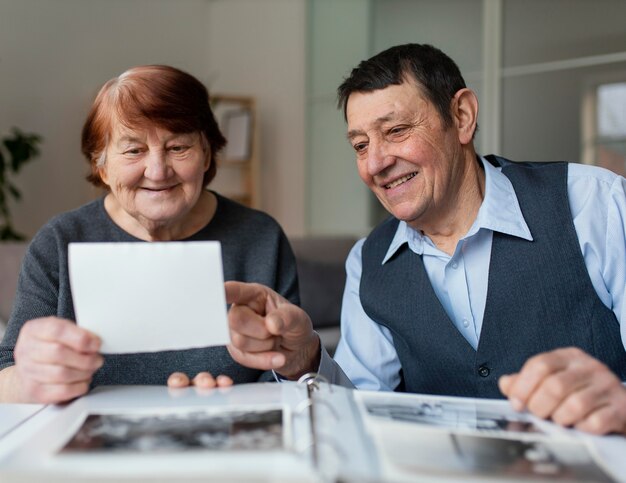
[(224, 381), (277, 361), (516, 404), (177, 379)]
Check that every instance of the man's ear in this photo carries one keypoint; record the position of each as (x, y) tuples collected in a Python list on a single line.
[(465, 114)]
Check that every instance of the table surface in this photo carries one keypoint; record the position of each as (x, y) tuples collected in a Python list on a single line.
[(12, 415)]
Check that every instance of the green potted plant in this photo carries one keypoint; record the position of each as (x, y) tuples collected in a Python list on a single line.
[(16, 149)]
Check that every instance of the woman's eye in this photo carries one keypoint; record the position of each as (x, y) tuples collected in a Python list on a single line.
[(132, 151), (178, 148)]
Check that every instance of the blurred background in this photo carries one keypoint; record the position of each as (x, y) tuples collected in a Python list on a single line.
[(550, 76)]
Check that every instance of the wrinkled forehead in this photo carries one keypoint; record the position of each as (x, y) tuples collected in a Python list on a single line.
[(123, 128), (142, 127), (148, 132), (366, 109)]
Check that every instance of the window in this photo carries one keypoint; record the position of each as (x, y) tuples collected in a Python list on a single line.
[(604, 129)]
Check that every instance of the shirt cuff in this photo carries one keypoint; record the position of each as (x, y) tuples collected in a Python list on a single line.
[(328, 369), (331, 371)]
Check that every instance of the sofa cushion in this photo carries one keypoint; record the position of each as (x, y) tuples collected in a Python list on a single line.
[(11, 255), (321, 272), (321, 291)]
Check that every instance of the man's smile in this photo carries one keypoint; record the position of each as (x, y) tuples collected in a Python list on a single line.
[(401, 180)]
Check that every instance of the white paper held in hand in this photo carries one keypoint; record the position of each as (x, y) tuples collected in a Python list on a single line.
[(147, 297)]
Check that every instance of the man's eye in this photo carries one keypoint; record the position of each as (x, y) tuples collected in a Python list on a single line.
[(178, 148), (359, 147), (398, 130)]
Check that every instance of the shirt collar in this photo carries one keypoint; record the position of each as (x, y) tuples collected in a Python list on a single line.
[(499, 211)]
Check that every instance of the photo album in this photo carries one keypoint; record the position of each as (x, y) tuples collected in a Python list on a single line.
[(305, 431)]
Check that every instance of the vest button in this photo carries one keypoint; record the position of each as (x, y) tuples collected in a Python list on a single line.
[(483, 371)]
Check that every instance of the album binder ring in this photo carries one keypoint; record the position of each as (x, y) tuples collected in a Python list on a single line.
[(312, 381)]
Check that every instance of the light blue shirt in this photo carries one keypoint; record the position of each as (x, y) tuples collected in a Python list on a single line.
[(597, 200)]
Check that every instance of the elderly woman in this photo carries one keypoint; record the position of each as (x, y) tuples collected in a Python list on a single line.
[(151, 141)]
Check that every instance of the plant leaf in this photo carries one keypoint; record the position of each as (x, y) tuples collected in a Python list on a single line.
[(4, 209), (14, 191), (7, 233), (22, 148)]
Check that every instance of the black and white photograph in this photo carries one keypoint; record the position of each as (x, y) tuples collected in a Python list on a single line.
[(476, 456), (450, 414), (236, 430), (454, 436)]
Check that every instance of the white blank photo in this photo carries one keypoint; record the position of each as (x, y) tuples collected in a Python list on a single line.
[(146, 297)]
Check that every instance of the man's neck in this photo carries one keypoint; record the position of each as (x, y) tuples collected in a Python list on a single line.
[(454, 220)]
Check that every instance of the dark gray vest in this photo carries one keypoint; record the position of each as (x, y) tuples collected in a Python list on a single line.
[(539, 298)]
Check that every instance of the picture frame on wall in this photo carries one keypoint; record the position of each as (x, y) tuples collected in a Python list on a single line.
[(237, 125)]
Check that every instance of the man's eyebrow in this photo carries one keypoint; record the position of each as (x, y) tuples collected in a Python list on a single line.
[(354, 133), (381, 120)]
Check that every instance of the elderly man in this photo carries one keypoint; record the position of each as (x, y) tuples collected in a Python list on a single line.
[(490, 278)]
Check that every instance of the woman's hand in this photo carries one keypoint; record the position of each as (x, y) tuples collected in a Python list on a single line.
[(268, 332), (202, 380), (54, 361)]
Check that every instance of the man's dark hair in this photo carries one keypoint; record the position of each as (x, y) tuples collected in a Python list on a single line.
[(437, 74)]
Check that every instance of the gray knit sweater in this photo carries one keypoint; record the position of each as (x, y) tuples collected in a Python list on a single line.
[(254, 249)]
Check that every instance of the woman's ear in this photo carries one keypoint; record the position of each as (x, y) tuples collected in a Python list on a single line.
[(102, 172), (208, 158), (465, 114)]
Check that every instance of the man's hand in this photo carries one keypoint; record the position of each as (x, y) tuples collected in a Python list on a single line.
[(54, 361), (269, 332), (571, 388)]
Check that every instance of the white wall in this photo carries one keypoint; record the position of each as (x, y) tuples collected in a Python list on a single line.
[(257, 47), (54, 55), (338, 202)]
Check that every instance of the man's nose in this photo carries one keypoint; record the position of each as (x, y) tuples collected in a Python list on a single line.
[(378, 158)]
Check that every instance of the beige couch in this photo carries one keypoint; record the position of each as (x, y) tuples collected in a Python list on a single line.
[(322, 276), (11, 254)]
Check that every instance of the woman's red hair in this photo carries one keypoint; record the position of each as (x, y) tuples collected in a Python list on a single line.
[(157, 95)]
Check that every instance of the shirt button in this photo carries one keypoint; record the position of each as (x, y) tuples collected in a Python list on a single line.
[(465, 323), (483, 371), (455, 265)]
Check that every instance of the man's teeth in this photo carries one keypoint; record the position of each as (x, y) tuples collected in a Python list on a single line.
[(400, 181)]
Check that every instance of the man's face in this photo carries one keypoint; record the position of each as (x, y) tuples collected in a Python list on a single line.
[(405, 154)]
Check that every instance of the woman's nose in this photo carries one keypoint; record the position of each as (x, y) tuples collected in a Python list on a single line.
[(157, 166)]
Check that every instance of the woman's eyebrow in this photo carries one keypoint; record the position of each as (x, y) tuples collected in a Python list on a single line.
[(127, 139)]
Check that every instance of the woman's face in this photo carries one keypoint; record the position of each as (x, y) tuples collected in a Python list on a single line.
[(155, 176)]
